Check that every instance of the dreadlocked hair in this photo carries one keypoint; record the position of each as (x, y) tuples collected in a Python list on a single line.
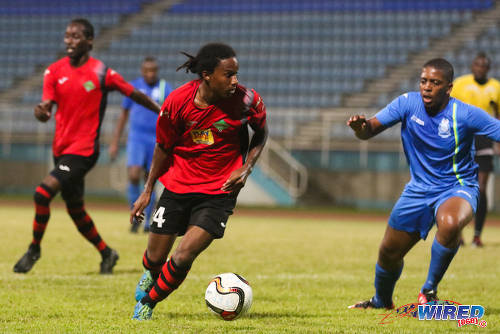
[(208, 58)]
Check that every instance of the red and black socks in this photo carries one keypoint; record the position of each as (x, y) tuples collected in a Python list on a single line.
[(43, 196), (86, 227), (170, 278)]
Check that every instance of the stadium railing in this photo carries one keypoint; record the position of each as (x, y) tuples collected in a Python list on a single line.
[(283, 168)]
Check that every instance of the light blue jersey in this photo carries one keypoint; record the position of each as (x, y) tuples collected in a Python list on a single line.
[(142, 123), (142, 134), (439, 148)]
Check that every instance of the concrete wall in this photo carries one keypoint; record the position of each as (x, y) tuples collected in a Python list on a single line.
[(374, 189), (23, 177), (368, 189), (363, 189), (105, 179)]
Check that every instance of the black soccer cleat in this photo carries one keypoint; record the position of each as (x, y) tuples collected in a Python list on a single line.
[(109, 262), (368, 304), (134, 227), (426, 296), (476, 242), (27, 261)]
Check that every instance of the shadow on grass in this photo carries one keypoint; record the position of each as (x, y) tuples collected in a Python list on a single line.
[(251, 315), (494, 244), (117, 272), (274, 315), (491, 310)]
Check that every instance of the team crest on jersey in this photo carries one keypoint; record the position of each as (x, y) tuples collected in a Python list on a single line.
[(89, 85), (221, 125), (444, 129), (155, 94), (202, 136)]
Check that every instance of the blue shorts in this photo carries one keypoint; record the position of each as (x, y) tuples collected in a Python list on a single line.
[(415, 211), (140, 153)]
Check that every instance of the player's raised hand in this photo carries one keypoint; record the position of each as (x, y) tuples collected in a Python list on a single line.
[(236, 180), (137, 213), (43, 110), (357, 122), (365, 128)]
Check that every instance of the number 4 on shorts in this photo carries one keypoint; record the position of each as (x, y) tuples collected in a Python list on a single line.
[(158, 216)]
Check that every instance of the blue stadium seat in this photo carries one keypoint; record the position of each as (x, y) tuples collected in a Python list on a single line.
[(306, 56)]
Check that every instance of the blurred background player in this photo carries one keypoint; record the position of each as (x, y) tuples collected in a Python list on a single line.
[(437, 134), (78, 85), (483, 92), (142, 132), (201, 159)]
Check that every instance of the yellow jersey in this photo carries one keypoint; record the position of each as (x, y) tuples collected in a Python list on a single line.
[(467, 90)]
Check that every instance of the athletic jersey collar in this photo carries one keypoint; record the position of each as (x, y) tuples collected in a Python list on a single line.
[(197, 84), (450, 102), (144, 83), (68, 61)]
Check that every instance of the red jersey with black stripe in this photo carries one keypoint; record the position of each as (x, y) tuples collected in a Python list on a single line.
[(80, 94), (208, 144)]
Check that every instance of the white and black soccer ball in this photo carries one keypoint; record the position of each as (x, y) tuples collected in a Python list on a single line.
[(229, 296)]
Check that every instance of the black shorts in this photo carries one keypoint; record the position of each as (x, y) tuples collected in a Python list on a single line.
[(482, 142), (485, 163), (70, 171), (175, 212)]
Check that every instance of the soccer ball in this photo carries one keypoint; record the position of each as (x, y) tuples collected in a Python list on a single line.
[(228, 295)]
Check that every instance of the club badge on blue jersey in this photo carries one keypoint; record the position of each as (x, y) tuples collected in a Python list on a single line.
[(444, 128)]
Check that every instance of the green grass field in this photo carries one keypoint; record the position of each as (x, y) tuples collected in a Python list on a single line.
[(304, 272)]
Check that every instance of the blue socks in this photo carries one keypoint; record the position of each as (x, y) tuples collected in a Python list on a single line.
[(440, 260), (385, 281), (133, 192)]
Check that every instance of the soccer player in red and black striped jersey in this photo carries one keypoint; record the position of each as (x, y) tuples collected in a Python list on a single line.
[(78, 84), (203, 158)]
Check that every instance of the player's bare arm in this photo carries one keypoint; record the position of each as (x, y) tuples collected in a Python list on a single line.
[(363, 128), (159, 166), (145, 101), (43, 110), (113, 146), (239, 177)]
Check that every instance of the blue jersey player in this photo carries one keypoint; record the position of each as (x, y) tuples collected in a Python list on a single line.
[(142, 131), (437, 132)]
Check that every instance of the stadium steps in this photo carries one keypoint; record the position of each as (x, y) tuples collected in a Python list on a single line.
[(311, 133), (439, 48), (102, 42)]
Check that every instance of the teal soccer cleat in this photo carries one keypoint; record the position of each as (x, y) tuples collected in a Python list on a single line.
[(143, 311), (144, 286)]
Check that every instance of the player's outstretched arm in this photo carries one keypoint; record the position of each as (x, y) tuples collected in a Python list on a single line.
[(120, 125), (239, 177), (43, 110), (363, 128), (159, 166), (145, 101)]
